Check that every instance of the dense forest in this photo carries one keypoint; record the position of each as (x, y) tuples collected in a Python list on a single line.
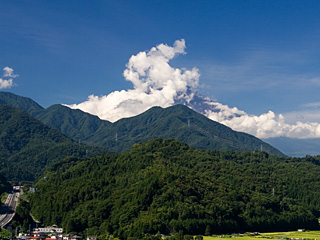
[(27, 146), (178, 122), (4, 185), (166, 186)]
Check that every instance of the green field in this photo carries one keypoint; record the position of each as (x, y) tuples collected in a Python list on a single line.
[(224, 237), (274, 235), (294, 234)]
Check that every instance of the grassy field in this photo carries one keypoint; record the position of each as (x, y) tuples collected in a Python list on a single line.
[(294, 234), (233, 238), (275, 235)]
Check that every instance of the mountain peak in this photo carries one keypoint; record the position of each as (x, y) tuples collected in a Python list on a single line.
[(178, 122)]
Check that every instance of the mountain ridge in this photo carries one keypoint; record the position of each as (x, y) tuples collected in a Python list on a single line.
[(178, 122), (27, 146), (24, 103), (166, 186)]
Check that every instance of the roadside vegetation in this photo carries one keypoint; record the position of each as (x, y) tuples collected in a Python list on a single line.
[(4, 233)]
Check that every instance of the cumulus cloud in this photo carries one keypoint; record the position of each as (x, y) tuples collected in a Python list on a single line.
[(266, 125), (155, 83), (8, 72), (7, 78)]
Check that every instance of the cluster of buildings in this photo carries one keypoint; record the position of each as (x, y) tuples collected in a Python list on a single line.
[(51, 233)]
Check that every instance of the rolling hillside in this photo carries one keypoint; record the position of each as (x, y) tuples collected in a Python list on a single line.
[(23, 103), (4, 185), (178, 122), (27, 146), (74, 123), (165, 186)]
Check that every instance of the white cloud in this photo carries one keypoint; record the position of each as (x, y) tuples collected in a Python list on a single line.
[(8, 72), (5, 83), (266, 125), (155, 83), (7, 79)]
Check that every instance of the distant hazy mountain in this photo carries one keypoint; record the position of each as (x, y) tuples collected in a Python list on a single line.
[(27, 146), (289, 146), (178, 122), (296, 147)]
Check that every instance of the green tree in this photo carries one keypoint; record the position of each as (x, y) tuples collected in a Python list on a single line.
[(207, 231)]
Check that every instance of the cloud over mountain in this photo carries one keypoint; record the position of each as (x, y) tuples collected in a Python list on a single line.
[(266, 125), (156, 83), (7, 78)]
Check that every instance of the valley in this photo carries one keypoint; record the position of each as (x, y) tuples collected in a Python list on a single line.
[(168, 170)]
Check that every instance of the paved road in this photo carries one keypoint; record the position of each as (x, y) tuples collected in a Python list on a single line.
[(8, 209)]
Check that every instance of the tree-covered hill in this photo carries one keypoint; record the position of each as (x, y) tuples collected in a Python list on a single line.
[(4, 185), (23, 103), (178, 122), (72, 122), (27, 146), (166, 186), (183, 124)]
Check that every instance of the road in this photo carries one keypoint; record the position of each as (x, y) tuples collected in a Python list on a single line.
[(8, 209)]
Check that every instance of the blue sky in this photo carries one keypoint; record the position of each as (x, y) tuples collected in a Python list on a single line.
[(253, 55)]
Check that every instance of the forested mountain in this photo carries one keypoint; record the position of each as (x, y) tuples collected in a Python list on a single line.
[(4, 185), (23, 103), (181, 123), (72, 122), (166, 186), (27, 146), (178, 122)]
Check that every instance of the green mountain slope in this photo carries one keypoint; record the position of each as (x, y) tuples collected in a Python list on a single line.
[(166, 186), (178, 122), (27, 146), (4, 185), (181, 123), (23, 103), (73, 123)]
